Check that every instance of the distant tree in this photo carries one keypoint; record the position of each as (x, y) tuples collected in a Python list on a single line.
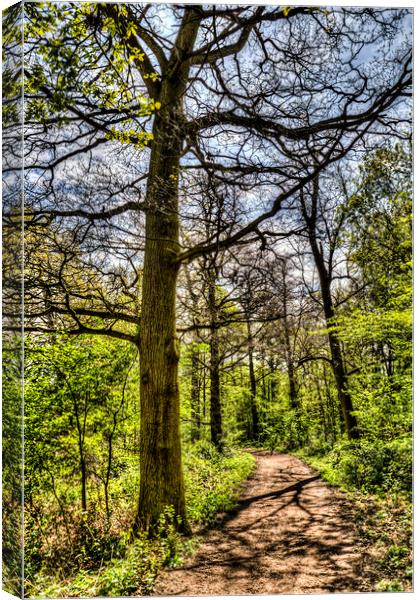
[(377, 327), (325, 220)]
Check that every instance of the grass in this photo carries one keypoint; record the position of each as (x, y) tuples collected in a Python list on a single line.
[(213, 481), (385, 529)]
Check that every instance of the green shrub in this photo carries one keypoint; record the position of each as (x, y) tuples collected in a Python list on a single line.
[(137, 570), (375, 465), (396, 554)]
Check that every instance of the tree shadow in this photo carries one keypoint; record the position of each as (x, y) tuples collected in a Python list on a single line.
[(310, 549), (246, 502), (297, 487)]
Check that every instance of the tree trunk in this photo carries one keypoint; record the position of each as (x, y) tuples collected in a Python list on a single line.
[(265, 394), (161, 477), (204, 390), (289, 356), (331, 406), (293, 396), (195, 395), (215, 402), (322, 409), (81, 431), (351, 426), (292, 387), (253, 408), (83, 473), (108, 469), (273, 383)]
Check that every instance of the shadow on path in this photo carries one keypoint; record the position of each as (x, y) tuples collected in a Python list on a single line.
[(296, 487), (278, 540)]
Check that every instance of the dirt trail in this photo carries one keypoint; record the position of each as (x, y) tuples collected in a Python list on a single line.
[(290, 534)]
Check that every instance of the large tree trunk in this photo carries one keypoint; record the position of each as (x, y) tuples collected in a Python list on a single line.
[(161, 477), (161, 480)]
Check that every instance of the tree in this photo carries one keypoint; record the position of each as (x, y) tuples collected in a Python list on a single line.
[(221, 72), (74, 388), (380, 237), (377, 329), (324, 228)]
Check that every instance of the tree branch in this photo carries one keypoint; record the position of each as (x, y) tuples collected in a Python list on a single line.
[(79, 331)]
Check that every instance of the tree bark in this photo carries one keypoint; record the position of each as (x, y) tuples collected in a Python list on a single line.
[(160, 459), (161, 477)]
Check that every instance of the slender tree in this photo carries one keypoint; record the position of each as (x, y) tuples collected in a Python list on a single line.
[(314, 215)]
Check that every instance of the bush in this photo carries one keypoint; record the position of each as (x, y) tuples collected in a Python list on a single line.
[(136, 571), (375, 465)]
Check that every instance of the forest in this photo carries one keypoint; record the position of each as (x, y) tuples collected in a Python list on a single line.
[(207, 296)]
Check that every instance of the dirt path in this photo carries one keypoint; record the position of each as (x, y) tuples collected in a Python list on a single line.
[(290, 534)]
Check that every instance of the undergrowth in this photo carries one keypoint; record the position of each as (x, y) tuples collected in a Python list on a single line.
[(121, 567), (213, 480), (377, 479)]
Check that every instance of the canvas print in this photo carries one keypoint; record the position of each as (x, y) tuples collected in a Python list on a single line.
[(207, 299)]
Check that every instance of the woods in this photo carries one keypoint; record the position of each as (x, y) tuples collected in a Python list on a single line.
[(216, 209)]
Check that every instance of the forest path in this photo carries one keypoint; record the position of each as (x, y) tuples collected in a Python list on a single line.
[(291, 533)]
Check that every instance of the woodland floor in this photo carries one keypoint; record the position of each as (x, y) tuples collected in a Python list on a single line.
[(291, 533)]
